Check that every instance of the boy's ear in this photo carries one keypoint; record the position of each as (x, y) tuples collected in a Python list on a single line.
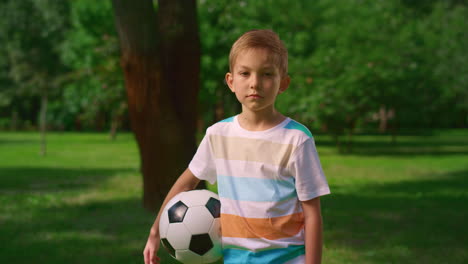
[(284, 84), (229, 79)]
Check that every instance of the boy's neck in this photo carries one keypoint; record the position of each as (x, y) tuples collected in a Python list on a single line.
[(261, 120)]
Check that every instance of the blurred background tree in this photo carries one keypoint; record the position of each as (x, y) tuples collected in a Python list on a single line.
[(31, 33), (94, 93)]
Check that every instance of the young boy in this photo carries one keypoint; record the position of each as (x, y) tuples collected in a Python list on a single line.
[(267, 168)]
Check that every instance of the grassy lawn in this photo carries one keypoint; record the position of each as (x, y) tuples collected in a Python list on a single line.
[(391, 203)]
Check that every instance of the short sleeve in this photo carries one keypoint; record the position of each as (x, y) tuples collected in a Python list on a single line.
[(203, 164), (305, 166)]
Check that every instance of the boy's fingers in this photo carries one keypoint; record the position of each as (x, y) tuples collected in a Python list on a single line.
[(146, 257)]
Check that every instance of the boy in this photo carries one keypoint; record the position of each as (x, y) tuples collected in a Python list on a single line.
[(266, 165)]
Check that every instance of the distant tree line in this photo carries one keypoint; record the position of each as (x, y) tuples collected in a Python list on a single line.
[(355, 64)]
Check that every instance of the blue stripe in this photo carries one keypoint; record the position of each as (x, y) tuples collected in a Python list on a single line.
[(271, 256), (256, 190), (298, 126), (230, 119)]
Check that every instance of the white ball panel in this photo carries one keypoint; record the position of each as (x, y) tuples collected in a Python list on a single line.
[(179, 236), (198, 220), (195, 198), (163, 224), (215, 230), (188, 257), (215, 233), (210, 194)]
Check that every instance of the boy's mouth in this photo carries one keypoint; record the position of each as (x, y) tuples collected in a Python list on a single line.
[(254, 96)]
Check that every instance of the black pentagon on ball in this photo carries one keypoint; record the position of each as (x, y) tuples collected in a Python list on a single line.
[(177, 212), (168, 247), (214, 206), (201, 244)]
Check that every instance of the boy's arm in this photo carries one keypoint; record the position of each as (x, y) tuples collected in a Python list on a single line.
[(186, 182), (313, 230)]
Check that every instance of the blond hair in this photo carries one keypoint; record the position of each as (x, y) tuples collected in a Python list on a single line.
[(261, 39)]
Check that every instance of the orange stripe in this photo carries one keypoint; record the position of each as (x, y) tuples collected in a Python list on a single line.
[(269, 228)]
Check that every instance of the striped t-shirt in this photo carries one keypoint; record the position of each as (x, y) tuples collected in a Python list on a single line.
[(262, 177)]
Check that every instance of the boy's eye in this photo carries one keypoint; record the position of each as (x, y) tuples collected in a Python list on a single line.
[(244, 73), (268, 74)]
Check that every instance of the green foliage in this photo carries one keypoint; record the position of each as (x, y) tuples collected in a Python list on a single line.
[(29, 64), (446, 37), (347, 59), (355, 64), (66, 50), (30, 33), (95, 87)]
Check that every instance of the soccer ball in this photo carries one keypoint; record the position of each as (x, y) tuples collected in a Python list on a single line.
[(189, 227)]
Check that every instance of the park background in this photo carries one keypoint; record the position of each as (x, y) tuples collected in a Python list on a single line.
[(382, 85)]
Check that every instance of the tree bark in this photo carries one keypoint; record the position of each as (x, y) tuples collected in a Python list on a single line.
[(160, 60)]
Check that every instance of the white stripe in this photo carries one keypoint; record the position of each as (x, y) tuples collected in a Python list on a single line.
[(240, 168), (260, 209), (257, 244), (282, 135)]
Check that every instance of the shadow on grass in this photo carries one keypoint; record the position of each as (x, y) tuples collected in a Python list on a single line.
[(407, 222), (36, 225), (14, 142), (34, 228), (97, 232), (30, 179), (93, 233)]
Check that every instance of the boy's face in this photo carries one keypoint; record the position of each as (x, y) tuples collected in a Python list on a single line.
[(256, 80)]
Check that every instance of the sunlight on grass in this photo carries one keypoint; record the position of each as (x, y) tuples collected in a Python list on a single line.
[(128, 186), (70, 235)]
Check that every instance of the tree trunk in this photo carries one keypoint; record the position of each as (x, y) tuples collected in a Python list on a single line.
[(349, 143), (43, 123), (114, 126), (14, 120), (161, 61), (394, 126), (383, 118)]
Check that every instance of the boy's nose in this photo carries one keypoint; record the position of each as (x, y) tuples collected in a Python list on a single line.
[(254, 81)]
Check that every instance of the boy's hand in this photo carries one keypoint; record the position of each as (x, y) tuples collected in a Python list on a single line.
[(187, 181), (151, 250)]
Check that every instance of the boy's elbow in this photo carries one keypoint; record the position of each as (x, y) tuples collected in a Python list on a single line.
[(187, 181)]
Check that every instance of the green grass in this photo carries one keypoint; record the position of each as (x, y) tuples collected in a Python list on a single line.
[(390, 203)]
